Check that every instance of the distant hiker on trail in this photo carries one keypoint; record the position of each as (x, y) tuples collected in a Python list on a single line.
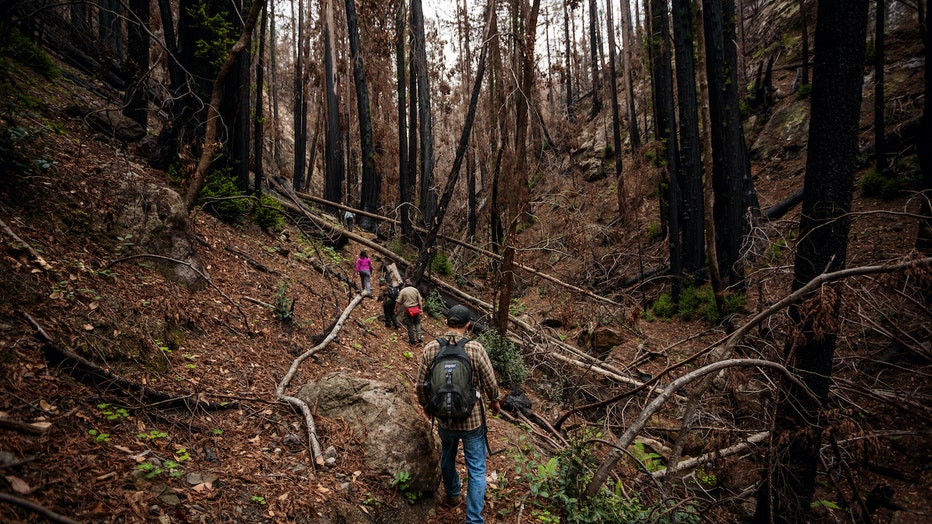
[(391, 275), (364, 270), (392, 282), (410, 301), (471, 429), (348, 219), (389, 296)]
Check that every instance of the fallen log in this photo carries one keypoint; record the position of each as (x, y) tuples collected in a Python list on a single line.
[(91, 374)]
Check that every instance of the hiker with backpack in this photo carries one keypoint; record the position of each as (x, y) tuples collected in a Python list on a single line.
[(410, 301), (392, 281), (454, 374)]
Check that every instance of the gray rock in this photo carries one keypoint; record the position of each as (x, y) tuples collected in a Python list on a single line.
[(395, 434), (152, 219)]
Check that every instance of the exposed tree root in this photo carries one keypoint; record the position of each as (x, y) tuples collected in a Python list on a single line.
[(316, 453)]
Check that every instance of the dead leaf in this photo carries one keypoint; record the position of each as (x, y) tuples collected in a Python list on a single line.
[(284, 496), (107, 476), (123, 449), (322, 489), (46, 406), (92, 306), (41, 425), (18, 485), (88, 327)]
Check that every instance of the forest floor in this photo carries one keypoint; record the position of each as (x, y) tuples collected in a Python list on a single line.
[(94, 454)]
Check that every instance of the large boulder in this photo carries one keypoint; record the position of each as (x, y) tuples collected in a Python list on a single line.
[(152, 219), (395, 434), (599, 341)]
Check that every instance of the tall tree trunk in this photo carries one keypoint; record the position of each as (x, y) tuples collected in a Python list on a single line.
[(497, 134), (186, 91), (371, 178), (789, 481), (466, 55), (299, 118), (276, 121), (428, 199), (568, 59), (426, 253), (210, 134), (518, 182), (110, 30), (662, 73), (879, 146), (410, 183), (137, 65), (235, 108), (404, 186), (804, 22), (258, 128), (595, 64), (628, 42), (335, 170), (708, 193), (924, 236), (616, 116), (690, 169), (734, 189)]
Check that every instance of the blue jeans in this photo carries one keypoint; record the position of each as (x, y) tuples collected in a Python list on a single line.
[(474, 453), (364, 276)]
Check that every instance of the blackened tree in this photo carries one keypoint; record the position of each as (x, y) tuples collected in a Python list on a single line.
[(790, 475)]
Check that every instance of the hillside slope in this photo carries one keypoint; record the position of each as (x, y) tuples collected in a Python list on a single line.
[(87, 450)]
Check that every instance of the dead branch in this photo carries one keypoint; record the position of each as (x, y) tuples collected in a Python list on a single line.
[(489, 254), (249, 259), (706, 457), (316, 452), (211, 143), (196, 270), (23, 245), (41, 510), (22, 427), (91, 374), (786, 301), (627, 437), (259, 302)]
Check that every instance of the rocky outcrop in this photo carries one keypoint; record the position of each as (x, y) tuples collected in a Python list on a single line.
[(396, 436), (152, 219)]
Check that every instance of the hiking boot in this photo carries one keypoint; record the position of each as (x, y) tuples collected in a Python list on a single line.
[(452, 502)]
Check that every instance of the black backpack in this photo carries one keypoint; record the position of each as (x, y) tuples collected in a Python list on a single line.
[(393, 292), (451, 392)]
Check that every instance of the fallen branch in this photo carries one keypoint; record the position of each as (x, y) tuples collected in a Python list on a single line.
[(627, 437), (23, 245), (786, 301), (91, 374), (41, 510), (316, 453), (22, 427), (249, 259), (706, 457)]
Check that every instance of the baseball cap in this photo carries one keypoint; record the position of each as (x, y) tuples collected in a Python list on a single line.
[(459, 314)]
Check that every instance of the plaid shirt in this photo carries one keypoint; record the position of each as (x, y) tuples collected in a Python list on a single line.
[(483, 377)]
